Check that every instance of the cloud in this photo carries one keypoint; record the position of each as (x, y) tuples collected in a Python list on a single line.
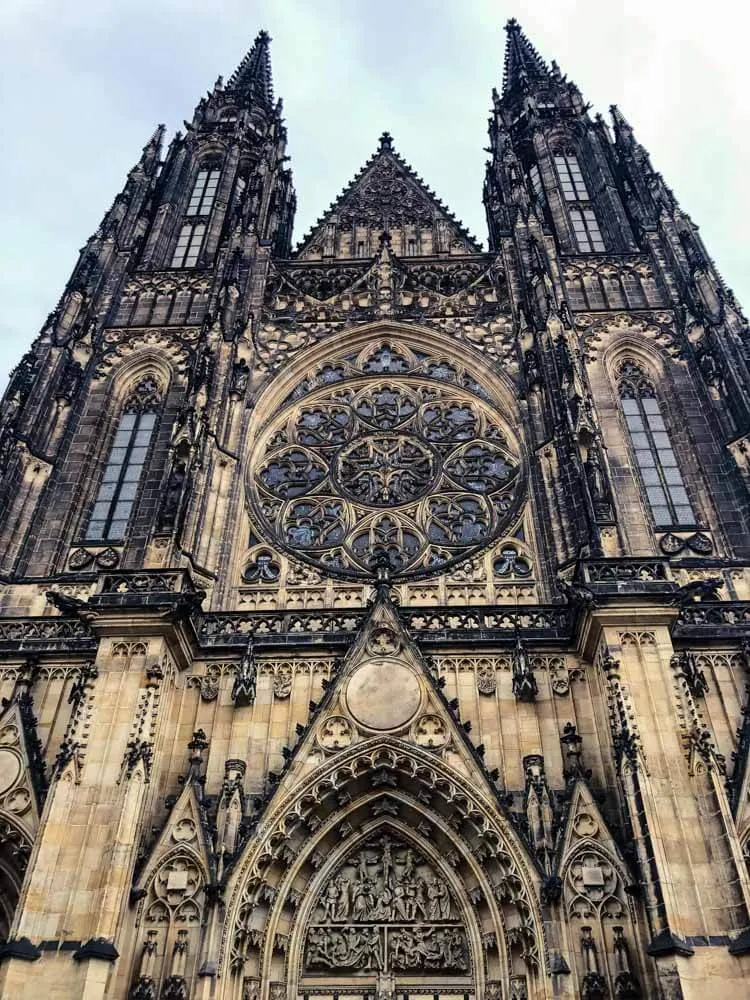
[(84, 84)]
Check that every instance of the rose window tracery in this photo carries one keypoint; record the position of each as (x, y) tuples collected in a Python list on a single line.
[(384, 470), (398, 455)]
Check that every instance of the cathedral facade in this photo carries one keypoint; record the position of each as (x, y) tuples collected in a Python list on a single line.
[(375, 614)]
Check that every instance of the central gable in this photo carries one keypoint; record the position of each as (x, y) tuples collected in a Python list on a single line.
[(386, 196)]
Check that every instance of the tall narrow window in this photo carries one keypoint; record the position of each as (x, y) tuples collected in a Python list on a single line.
[(193, 230), (654, 455), (586, 229), (204, 192), (125, 462), (588, 235), (573, 185), (188, 244)]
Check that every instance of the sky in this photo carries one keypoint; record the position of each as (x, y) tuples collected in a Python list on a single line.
[(83, 83)]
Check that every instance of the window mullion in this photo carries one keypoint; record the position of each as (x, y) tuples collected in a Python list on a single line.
[(121, 478), (657, 459)]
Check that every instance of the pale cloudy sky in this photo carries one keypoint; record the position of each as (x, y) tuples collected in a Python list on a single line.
[(84, 82)]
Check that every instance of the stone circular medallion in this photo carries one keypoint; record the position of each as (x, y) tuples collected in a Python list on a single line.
[(383, 694), (10, 768)]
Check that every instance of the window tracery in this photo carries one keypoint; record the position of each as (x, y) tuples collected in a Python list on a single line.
[(657, 463), (125, 463), (385, 455)]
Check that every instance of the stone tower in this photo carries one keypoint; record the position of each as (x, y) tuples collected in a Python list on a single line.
[(376, 614)]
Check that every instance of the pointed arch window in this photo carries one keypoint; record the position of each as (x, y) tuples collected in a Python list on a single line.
[(204, 192), (588, 235), (125, 463), (197, 214), (657, 463)]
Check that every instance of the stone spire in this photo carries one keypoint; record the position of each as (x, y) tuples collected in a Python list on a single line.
[(252, 78), (523, 64)]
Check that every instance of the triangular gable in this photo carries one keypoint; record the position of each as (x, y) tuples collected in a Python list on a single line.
[(586, 827), (21, 798), (384, 688), (386, 196), (183, 832)]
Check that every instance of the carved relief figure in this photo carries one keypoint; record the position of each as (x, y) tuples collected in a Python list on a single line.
[(387, 884)]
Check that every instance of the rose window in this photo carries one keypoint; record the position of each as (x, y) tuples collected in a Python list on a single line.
[(385, 463)]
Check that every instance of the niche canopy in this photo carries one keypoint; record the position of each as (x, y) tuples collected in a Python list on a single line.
[(392, 453)]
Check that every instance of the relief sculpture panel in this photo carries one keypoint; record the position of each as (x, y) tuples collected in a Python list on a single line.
[(386, 909)]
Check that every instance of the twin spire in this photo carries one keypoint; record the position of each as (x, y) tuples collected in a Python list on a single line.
[(523, 66)]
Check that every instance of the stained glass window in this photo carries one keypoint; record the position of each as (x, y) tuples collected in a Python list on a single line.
[(657, 463), (125, 463)]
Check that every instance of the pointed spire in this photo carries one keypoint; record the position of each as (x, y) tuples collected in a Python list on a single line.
[(152, 150), (252, 78), (523, 64), (622, 127)]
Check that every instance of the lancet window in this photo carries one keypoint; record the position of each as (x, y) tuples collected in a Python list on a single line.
[(657, 463), (198, 211), (125, 464), (585, 224)]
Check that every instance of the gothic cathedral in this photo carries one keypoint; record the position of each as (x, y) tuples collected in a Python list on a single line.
[(375, 614)]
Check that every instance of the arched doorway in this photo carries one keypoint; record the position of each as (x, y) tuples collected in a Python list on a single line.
[(387, 875)]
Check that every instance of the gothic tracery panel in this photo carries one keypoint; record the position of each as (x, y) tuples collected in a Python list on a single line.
[(403, 458)]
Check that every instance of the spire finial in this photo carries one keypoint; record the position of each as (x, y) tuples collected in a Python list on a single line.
[(385, 143), (252, 78), (523, 64)]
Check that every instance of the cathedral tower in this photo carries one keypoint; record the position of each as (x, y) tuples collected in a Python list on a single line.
[(375, 614)]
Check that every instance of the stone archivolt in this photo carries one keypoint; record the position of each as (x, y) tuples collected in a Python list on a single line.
[(377, 777)]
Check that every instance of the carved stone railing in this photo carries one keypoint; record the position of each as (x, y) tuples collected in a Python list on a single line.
[(628, 575), (545, 624), (143, 588), (427, 625), (19, 635), (724, 618), (286, 628)]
